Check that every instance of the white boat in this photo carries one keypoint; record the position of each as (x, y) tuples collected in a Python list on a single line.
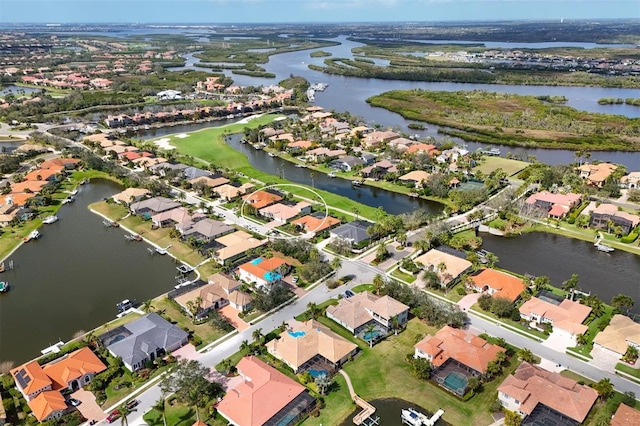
[(301, 166), (311, 95), (53, 348), (50, 219), (271, 154), (74, 192), (412, 417), (161, 250), (604, 248), (68, 200), (257, 146), (34, 235), (124, 305), (331, 175)]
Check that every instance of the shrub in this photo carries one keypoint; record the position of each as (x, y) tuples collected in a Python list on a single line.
[(461, 291)]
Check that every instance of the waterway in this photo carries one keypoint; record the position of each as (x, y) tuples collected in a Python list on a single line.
[(389, 410), (73, 276), (539, 253)]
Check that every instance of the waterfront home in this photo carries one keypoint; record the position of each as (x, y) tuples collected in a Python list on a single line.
[(144, 340), (417, 177), (447, 266), (165, 168), (358, 312), (377, 139), (264, 396), (354, 232), (208, 181), (596, 174), (625, 416), (607, 216), (211, 296), (261, 198), (552, 205), (312, 346), (422, 148), (282, 212), (346, 163), (153, 206), (496, 284), (401, 143), (147, 162), (322, 154), (566, 317), (263, 272), (180, 218), (379, 169), (42, 386), (235, 245), (190, 173), (206, 230), (60, 164), (456, 352), (316, 222), (299, 146), (541, 396), (131, 195), (230, 192), (49, 175), (33, 186), (621, 333), (630, 181)]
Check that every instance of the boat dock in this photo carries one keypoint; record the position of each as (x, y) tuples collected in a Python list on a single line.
[(602, 247), (491, 151), (53, 348), (412, 417), (364, 417)]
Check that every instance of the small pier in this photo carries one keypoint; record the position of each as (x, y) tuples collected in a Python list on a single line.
[(6, 266), (602, 247), (110, 223), (53, 348), (364, 417)]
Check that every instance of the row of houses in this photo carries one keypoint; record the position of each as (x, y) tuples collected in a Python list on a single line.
[(13, 204)]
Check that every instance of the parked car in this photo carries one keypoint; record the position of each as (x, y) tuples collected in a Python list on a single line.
[(132, 404), (115, 415), (349, 293), (74, 402), (294, 279)]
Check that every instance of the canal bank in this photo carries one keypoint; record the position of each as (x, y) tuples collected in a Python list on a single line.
[(71, 278)]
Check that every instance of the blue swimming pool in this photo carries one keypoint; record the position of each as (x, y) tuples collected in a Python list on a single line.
[(373, 335), (296, 334), (316, 373)]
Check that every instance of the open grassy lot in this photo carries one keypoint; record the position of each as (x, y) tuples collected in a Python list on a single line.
[(382, 372), (180, 415), (510, 167), (205, 331)]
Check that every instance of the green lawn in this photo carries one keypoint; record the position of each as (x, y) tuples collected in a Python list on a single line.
[(510, 167), (397, 273), (626, 368), (180, 415), (205, 331), (525, 330), (364, 287)]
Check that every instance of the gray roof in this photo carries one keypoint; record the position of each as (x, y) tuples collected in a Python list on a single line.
[(155, 204), (355, 231), (148, 334), (351, 160), (168, 166), (194, 172), (209, 228)]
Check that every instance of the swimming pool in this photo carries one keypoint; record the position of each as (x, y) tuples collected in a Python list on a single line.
[(371, 335), (316, 373), (296, 334)]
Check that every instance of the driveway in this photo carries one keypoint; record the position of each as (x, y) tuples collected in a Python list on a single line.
[(188, 352), (468, 301), (604, 359), (232, 315), (558, 342), (88, 408)]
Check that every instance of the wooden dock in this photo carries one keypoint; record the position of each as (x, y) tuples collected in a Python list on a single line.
[(366, 415)]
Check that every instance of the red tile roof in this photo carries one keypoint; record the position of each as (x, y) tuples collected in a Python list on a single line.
[(626, 416), (314, 224), (261, 395), (75, 365), (504, 285), (260, 199)]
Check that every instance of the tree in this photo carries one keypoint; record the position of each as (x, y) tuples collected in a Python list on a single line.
[(160, 406), (631, 355), (596, 305), (378, 282), (501, 306), (323, 382), (147, 305), (473, 383), (604, 388), (187, 380), (244, 345), (381, 251), (493, 369), (541, 282), (421, 368), (368, 331), (124, 412), (571, 283), (336, 263), (314, 310), (622, 302), (394, 324), (581, 339), (484, 301), (501, 357), (526, 355), (512, 418), (257, 336), (491, 259)]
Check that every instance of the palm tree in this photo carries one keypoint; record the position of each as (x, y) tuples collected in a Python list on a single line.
[(368, 331), (355, 212), (492, 259), (526, 355), (124, 412), (381, 252), (501, 357), (314, 310), (244, 345), (322, 382), (378, 282), (257, 336), (401, 237), (160, 406), (604, 388), (395, 324), (581, 339), (147, 305), (336, 263)]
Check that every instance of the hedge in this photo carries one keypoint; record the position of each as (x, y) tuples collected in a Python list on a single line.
[(631, 237)]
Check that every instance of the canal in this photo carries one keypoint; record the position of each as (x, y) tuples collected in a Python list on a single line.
[(73, 276), (539, 253), (389, 410)]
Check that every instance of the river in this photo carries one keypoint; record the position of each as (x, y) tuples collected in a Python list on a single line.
[(539, 253), (73, 276)]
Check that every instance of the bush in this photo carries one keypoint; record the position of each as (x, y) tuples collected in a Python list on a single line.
[(461, 291), (631, 237)]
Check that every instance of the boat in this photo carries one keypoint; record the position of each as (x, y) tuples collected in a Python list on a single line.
[(271, 154), (68, 200), (412, 417), (4, 286), (147, 127), (331, 175), (50, 219), (604, 248), (124, 305), (34, 235), (132, 237), (301, 166), (161, 250), (257, 146), (74, 192), (53, 348), (357, 182), (311, 95)]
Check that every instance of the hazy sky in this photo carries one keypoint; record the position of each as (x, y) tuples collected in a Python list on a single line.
[(254, 11)]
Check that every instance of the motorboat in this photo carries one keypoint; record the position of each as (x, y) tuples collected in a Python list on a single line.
[(124, 305), (34, 235), (4, 286), (331, 175), (271, 154), (50, 219)]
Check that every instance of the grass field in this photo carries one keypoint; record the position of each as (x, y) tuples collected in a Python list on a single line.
[(510, 167), (208, 145)]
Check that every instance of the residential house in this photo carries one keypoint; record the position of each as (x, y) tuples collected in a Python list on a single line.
[(191, 173), (625, 416), (596, 174), (163, 169), (212, 297), (566, 318), (33, 186), (417, 177), (401, 143), (311, 345), (234, 245), (282, 212), (261, 198), (211, 182), (180, 218), (49, 175), (264, 396), (631, 181), (153, 206), (229, 192), (534, 392), (60, 163), (447, 266), (555, 206), (299, 146), (322, 154), (143, 340), (379, 169), (357, 312), (263, 272), (317, 222), (42, 386), (377, 139), (355, 232), (453, 347), (131, 195), (422, 148), (346, 163), (206, 230), (608, 216), (621, 333), (497, 284)]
